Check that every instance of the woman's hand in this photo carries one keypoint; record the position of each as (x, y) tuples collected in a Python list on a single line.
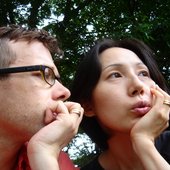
[(156, 120), (148, 128)]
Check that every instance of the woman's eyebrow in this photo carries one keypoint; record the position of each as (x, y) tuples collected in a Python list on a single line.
[(119, 65), (142, 65), (113, 65)]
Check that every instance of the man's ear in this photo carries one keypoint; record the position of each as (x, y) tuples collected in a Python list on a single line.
[(88, 110)]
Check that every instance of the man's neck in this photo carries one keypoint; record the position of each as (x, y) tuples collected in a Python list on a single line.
[(9, 154)]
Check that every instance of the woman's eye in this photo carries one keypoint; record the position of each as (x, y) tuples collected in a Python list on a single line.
[(144, 73), (115, 75)]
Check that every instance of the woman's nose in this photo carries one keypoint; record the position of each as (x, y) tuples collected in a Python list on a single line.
[(136, 86), (60, 92)]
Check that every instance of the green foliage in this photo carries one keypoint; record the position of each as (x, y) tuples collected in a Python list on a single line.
[(81, 149), (78, 23)]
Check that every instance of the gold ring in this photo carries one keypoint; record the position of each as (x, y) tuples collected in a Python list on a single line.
[(167, 102), (76, 111)]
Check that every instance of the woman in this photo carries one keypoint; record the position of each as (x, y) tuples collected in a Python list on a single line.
[(126, 105)]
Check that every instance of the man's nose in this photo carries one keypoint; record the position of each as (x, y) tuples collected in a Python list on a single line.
[(60, 92)]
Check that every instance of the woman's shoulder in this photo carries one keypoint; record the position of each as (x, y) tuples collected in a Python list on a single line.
[(162, 143), (92, 165), (163, 140)]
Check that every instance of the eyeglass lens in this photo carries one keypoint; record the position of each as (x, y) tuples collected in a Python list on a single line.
[(49, 76)]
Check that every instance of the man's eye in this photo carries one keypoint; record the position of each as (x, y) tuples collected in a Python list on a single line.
[(38, 74), (48, 73)]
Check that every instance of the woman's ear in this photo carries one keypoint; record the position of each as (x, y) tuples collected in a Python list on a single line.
[(88, 110)]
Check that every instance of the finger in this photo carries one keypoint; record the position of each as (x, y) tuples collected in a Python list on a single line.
[(74, 108), (61, 109), (77, 117), (76, 111), (166, 95), (158, 97), (72, 105), (70, 111), (160, 107), (52, 114), (166, 100)]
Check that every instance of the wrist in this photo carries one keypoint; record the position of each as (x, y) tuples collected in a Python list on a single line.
[(38, 148), (43, 161), (141, 143)]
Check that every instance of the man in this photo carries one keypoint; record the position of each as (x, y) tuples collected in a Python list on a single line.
[(32, 111)]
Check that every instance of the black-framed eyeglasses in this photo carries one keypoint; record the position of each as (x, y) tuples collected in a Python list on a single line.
[(46, 72)]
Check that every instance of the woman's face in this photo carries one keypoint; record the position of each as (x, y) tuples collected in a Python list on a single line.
[(122, 95)]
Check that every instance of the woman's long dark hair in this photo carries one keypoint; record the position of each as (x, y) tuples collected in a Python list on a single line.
[(88, 74)]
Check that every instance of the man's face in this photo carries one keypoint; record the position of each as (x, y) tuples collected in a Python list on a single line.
[(25, 97)]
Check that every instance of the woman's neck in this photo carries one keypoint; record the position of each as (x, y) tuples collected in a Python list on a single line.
[(120, 154)]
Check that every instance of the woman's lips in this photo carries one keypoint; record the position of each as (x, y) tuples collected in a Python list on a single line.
[(141, 108)]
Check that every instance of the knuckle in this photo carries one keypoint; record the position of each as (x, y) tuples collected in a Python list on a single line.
[(162, 115), (72, 127)]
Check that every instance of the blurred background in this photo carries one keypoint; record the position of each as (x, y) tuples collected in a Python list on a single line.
[(78, 23)]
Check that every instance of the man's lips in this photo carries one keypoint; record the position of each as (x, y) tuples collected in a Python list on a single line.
[(141, 108), (49, 116)]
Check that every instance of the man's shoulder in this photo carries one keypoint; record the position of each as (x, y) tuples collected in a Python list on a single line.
[(65, 162)]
